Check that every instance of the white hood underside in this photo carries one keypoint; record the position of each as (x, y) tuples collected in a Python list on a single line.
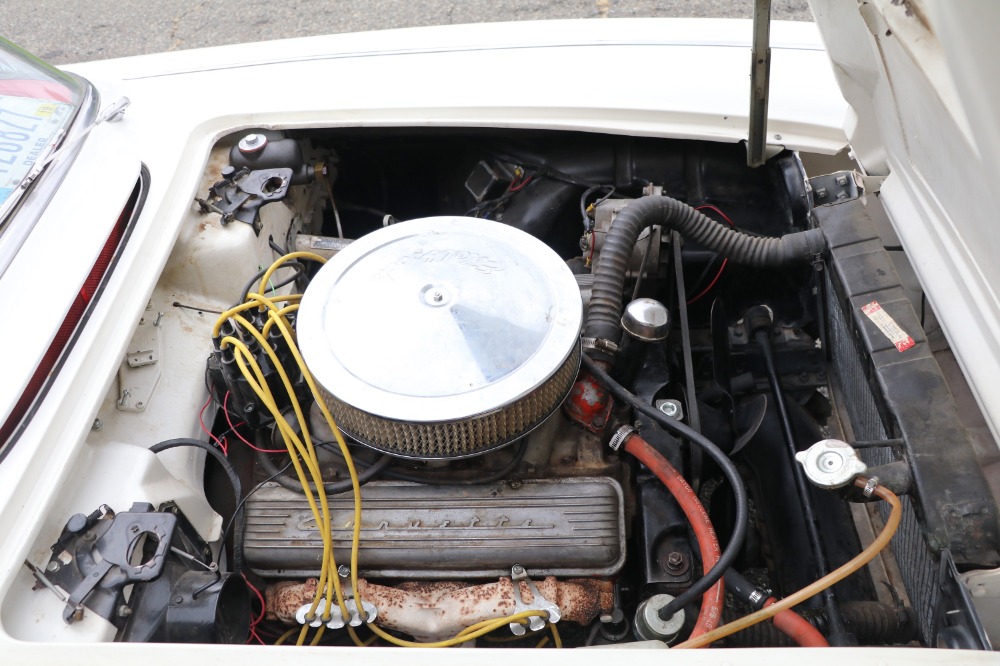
[(921, 78)]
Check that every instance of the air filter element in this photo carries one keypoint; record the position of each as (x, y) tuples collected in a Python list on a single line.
[(442, 337)]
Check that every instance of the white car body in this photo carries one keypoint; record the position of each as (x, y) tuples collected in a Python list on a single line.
[(183, 103)]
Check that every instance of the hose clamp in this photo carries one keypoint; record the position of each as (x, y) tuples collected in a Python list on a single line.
[(620, 436), (599, 344), (870, 486)]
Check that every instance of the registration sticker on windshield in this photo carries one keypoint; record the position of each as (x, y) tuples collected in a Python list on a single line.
[(888, 326), (27, 126)]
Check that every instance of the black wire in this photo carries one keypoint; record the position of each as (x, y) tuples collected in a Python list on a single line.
[(234, 479), (277, 248), (247, 496), (544, 170), (696, 286), (489, 478), (583, 201), (802, 487), (346, 205), (491, 205), (300, 270), (732, 474), (295, 485)]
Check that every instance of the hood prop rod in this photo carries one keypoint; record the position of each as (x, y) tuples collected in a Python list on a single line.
[(760, 72)]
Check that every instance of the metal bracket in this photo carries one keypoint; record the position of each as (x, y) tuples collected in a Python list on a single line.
[(538, 602), (957, 622), (240, 195), (96, 554), (140, 372), (834, 188), (337, 620)]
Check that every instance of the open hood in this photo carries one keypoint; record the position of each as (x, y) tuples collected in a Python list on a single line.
[(920, 77)]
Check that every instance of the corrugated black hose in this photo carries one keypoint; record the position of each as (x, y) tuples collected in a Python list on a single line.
[(604, 317)]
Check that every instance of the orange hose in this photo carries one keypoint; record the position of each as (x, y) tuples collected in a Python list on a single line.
[(712, 600), (797, 628), (832, 578)]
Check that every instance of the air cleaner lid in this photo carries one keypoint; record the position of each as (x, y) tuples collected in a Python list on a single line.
[(439, 319)]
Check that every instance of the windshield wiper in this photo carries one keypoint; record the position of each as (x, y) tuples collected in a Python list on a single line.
[(112, 113)]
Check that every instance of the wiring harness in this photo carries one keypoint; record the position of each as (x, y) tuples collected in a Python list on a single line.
[(275, 312)]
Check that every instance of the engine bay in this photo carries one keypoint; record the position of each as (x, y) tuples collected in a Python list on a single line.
[(508, 388)]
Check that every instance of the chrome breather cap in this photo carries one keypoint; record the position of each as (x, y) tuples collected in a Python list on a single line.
[(442, 337), (646, 319)]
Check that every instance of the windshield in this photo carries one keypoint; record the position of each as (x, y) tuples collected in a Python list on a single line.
[(37, 103)]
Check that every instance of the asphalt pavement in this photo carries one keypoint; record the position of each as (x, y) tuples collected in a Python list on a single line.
[(63, 32)]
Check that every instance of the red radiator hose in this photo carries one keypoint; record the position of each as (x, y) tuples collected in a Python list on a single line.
[(711, 604), (797, 628)]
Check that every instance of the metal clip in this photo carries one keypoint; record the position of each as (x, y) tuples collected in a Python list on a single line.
[(621, 435), (336, 619), (600, 344), (870, 486), (538, 602)]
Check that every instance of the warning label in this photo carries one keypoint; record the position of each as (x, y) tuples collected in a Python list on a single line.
[(888, 326)]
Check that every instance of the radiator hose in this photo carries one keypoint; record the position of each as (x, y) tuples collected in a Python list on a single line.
[(871, 622), (603, 319)]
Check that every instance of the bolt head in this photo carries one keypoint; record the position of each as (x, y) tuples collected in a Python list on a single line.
[(252, 143), (675, 563), (670, 408)]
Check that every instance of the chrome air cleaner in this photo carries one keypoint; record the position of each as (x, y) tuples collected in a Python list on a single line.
[(442, 337)]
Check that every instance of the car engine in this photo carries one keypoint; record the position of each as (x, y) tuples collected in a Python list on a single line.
[(512, 388)]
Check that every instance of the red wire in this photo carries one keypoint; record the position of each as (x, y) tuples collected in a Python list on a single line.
[(716, 210), (724, 261), (225, 410), (520, 186), (260, 597), (263, 611), (201, 422), (710, 284)]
